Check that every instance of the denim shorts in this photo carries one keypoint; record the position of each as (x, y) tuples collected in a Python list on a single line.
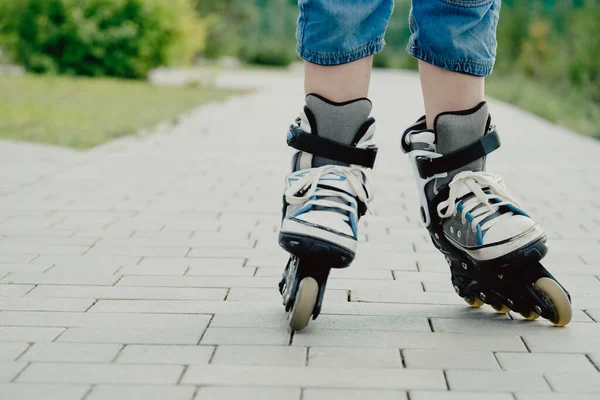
[(457, 35)]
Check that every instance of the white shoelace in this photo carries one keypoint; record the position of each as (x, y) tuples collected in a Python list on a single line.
[(356, 176), (481, 204)]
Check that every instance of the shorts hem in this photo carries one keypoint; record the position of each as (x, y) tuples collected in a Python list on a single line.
[(363, 51), (469, 67)]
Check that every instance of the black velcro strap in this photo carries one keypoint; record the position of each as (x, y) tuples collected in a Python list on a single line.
[(323, 147), (429, 167)]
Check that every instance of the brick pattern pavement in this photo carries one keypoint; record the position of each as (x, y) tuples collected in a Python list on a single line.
[(147, 268)]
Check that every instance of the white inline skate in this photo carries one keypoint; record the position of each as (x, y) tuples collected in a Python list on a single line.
[(325, 195), (493, 248)]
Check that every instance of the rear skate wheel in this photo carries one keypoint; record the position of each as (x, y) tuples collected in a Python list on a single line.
[(556, 299), (474, 302), (304, 304), (503, 309), (531, 316)]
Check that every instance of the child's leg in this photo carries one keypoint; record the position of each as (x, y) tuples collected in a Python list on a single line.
[(492, 246), (339, 83), (328, 189)]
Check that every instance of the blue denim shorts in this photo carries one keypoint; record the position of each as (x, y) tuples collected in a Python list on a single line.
[(457, 35)]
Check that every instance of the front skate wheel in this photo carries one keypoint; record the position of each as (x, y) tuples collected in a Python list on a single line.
[(555, 299), (304, 304)]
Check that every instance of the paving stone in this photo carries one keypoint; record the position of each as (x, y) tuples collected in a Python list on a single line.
[(259, 355), (354, 394), (555, 396), (422, 395), (101, 373), (10, 351), (28, 334), (246, 336), (32, 319), (198, 281), (540, 362), (146, 392), (14, 290), (71, 352), (574, 381), (272, 294), (564, 344), (365, 378), (10, 369), (494, 381), (362, 357), (30, 391), (509, 327), (155, 354), (128, 293), (44, 304), (450, 359), (246, 393), (36, 278), (132, 335), (407, 340)]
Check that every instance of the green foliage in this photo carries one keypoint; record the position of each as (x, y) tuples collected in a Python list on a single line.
[(122, 38)]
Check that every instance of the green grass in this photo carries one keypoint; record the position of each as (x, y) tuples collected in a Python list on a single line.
[(565, 106), (83, 112)]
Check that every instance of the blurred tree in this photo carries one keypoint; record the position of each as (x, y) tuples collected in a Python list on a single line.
[(123, 38)]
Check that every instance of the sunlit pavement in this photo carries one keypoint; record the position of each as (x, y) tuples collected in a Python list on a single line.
[(147, 268)]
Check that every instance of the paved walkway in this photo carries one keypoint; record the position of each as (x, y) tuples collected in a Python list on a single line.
[(147, 268)]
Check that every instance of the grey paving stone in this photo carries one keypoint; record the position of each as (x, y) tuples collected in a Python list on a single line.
[(145, 392), (272, 294), (32, 391), (101, 373), (28, 334), (574, 381), (10, 369), (494, 381), (156, 354), (154, 270), (422, 395), (198, 281), (509, 327), (71, 352), (563, 344), (407, 340), (362, 357), (541, 362), (555, 396), (28, 321), (246, 393), (14, 290), (246, 336), (259, 355), (352, 394), (6, 268), (128, 293), (450, 359), (36, 278), (44, 304), (9, 351), (364, 378), (132, 335)]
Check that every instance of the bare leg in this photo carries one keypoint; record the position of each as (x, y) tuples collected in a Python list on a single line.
[(448, 91), (339, 83)]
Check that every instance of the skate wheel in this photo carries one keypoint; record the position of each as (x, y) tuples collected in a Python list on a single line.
[(531, 316), (306, 298), (474, 302), (555, 298), (502, 309)]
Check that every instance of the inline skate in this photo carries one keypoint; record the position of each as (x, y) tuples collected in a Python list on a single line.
[(325, 195), (493, 247)]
